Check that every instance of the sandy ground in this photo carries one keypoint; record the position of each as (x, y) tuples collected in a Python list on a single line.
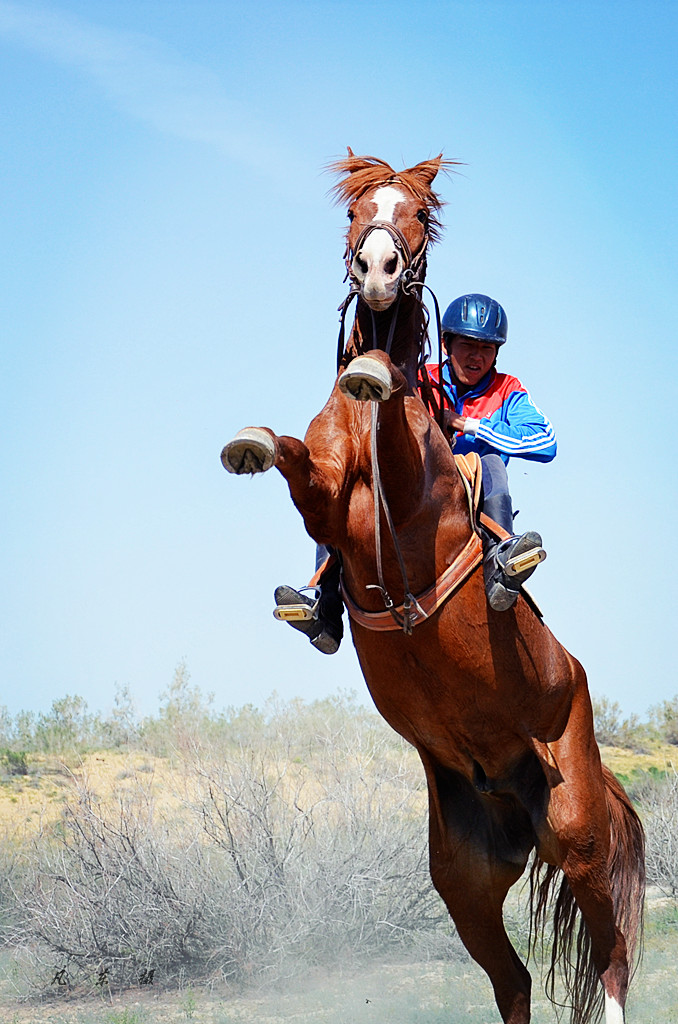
[(402, 992)]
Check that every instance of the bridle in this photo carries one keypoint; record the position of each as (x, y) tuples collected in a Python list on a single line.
[(411, 279)]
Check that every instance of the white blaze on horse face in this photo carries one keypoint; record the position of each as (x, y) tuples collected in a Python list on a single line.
[(378, 265), (614, 1013), (386, 199)]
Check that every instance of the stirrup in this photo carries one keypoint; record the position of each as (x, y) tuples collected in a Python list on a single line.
[(528, 560), (296, 612), (505, 574), (301, 611)]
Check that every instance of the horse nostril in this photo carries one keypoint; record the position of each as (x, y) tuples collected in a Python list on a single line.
[(390, 266)]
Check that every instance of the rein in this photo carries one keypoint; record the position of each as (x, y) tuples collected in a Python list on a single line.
[(406, 617)]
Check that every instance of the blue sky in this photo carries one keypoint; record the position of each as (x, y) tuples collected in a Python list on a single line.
[(172, 271)]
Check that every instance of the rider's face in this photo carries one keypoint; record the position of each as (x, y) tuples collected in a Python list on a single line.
[(470, 359)]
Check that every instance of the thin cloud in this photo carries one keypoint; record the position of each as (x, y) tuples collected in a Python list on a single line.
[(148, 81)]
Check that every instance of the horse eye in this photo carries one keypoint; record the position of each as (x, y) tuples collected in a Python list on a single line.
[(422, 216), (351, 214)]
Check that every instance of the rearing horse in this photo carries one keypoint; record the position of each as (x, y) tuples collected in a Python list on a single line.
[(498, 711)]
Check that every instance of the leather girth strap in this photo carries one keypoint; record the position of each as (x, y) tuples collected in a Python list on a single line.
[(454, 576), (431, 600)]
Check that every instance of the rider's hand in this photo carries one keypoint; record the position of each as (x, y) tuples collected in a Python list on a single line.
[(453, 422)]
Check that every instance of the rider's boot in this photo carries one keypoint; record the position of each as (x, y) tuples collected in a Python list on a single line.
[(507, 564), (320, 618)]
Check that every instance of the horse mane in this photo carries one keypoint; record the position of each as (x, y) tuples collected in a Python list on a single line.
[(363, 173)]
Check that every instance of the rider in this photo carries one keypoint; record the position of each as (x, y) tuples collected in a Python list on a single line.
[(493, 416)]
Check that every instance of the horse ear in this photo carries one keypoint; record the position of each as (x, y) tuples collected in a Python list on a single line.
[(350, 151), (427, 170)]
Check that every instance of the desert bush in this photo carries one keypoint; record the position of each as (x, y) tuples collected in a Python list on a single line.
[(68, 728), (613, 730), (185, 718), (109, 898), (639, 782), (13, 762), (329, 857), (308, 844), (664, 718), (659, 806)]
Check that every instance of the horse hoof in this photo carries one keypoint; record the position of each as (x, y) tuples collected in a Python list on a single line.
[(366, 380), (252, 450)]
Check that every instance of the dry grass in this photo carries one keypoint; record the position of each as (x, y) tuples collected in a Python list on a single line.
[(625, 762), (30, 802), (403, 992)]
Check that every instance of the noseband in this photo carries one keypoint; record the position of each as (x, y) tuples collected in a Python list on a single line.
[(411, 263)]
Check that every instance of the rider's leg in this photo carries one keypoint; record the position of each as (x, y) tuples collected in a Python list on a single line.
[(507, 564), (320, 617)]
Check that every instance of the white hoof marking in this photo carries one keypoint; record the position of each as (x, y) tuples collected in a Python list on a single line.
[(252, 450), (614, 1013), (366, 380)]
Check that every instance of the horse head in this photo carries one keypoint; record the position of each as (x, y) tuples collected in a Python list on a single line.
[(393, 216)]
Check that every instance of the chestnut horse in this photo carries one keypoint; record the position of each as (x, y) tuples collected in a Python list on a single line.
[(498, 711)]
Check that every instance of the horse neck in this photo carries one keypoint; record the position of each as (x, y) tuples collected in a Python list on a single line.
[(426, 499), (422, 487), (408, 333)]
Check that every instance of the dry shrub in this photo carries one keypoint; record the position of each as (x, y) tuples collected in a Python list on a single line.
[(658, 800), (307, 845), (109, 894)]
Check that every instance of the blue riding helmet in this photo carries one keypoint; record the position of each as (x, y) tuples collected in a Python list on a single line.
[(476, 316)]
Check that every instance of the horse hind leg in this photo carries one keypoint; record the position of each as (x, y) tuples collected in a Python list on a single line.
[(477, 914), (602, 841), (601, 953), (473, 866)]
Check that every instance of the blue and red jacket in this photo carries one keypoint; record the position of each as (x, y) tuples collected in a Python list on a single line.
[(501, 417)]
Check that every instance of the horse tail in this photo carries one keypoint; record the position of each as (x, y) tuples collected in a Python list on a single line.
[(571, 944)]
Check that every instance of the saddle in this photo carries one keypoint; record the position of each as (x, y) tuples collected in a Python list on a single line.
[(471, 472)]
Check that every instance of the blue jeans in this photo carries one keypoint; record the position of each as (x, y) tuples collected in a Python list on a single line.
[(496, 497)]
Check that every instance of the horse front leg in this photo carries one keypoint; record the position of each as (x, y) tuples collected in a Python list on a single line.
[(370, 378), (315, 472), (252, 450), (404, 426)]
